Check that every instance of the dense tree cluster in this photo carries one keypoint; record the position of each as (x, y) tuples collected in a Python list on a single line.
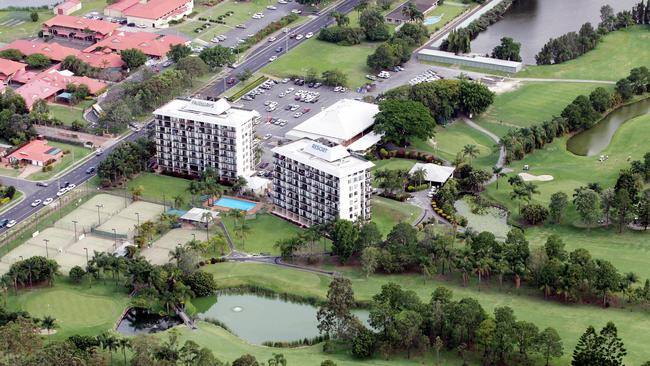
[(458, 40), (399, 121), (580, 114), (445, 99), (344, 36), (125, 161), (133, 58), (399, 47), (507, 50), (31, 271), (572, 45), (78, 67)]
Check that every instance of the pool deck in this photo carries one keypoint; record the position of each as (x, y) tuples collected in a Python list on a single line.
[(252, 211)]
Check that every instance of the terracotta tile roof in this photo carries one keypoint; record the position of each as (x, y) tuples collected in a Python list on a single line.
[(52, 81), (37, 150), (80, 23), (52, 50), (150, 43), (155, 9), (122, 5), (8, 67), (101, 60)]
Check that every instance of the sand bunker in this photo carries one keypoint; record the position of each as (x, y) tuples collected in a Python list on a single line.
[(540, 178)]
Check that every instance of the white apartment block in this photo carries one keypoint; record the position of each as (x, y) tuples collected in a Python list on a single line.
[(315, 182), (194, 135)]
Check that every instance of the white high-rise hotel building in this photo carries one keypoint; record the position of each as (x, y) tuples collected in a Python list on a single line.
[(194, 135), (315, 182)]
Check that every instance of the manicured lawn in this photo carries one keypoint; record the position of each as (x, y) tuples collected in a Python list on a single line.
[(569, 320), (264, 231), (322, 56), (447, 12), (571, 171), (156, 185), (451, 139), (9, 172), (531, 103), (394, 163), (76, 153), (88, 6), (68, 114), (387, 213), (17, 24), (77, 309), (612, 59), (228, 347)]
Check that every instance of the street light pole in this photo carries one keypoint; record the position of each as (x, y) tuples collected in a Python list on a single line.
[(87, 261), (138, 215), (115, 236), (99, 219), (75, 229), (47, 251)]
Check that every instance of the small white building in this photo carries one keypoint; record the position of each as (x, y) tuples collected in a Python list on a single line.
[(257, 185), (435, 174), (195, 215), (470, 60), (150, 13), (342, 123)]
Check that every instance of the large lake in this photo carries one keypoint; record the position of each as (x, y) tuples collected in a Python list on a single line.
[(533, 22)]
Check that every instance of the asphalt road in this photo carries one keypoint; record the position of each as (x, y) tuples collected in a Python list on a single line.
[(32, 192), (260, 56)]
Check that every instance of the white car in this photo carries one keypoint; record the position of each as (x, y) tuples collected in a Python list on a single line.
[(282, 2), (296, 11), (273, 58), (299, 37), (71, 186), (271, 7), (36, 203), (61, 192), (215, 40), (47, 201), (11, 223), (267, 136), (272, 39), (309, 35)]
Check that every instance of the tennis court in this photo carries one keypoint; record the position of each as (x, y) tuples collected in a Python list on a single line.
[(93, 244), (126, 220), (159, 252)]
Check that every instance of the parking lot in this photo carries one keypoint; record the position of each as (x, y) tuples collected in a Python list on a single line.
[(268, 131)]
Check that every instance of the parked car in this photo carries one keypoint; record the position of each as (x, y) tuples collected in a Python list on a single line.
[(3, 223), (299, 37), (47, 201), (42, 184), (11, 223), (36, 203), (240, 26), (272, 39), (309, 35), (273, 58), (271, 7)]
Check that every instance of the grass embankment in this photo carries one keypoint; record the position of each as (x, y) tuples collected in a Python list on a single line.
[(451, 139), (569, 320), (612, 59), (17, 24), (531, 103), (76, 153), (263, 231), (69, 113), (387, 213), (78, 309), (158, 187), (447, 12)]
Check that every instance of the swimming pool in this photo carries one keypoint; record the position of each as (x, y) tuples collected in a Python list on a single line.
[(235, 203), (433, 19)]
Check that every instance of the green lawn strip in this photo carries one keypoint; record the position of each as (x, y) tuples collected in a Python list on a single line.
[(12, 31), (88, 6), (264, 231), (10, 172), (448, 12), (482, 70), (451, 139), (77, 309), (243, 88), (530, 104), (612, 59), (66, 114), (322, 56), (569, 320), (76, 153), (228, 347), (386, 213), (156, 185), (394, 163)]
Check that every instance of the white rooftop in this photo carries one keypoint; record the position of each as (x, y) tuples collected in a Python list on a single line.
[(218, 112), (434, 172), (365, 142), (477, 58), (334, 160), (338, 123), (196, 214), (255, 183)]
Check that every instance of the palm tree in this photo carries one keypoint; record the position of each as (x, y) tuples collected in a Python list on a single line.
[(124, 343), (498, 173), (412, 12), (419, 175), (471, 151), (218, 241), (459, 160), (341, 19), (194, 188), (177, 254), (244, 230), (178, 201), (207, 217), (48, 323), (111, 345), (363, 5), (239, 184)]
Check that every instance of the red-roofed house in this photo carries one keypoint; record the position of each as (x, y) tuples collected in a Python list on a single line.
[(102, 60), (150, 13), (151, 44), (67, 7), (79, 28), (53, 50), (51, 82), (9, 68), (35, 152)]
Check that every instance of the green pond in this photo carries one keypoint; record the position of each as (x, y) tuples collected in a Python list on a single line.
[(493, 220), (257, 319), (596, 139)]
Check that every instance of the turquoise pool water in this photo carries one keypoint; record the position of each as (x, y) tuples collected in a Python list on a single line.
[(235, 203), (433, 19)]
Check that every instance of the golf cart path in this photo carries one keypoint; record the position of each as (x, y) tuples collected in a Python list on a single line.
[(501, 161)]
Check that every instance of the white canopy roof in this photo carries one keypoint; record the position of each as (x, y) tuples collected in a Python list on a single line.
[(195, 214), (365, 142), (434, 172), (255, 183)]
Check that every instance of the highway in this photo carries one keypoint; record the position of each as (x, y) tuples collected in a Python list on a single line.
[(76, 176), (260, 56)]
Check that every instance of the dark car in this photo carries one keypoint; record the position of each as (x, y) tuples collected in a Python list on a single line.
[(279, 49), (131, 25), (90, 170), (42, 184), (230, 81), (65, 184), (3, 223)]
